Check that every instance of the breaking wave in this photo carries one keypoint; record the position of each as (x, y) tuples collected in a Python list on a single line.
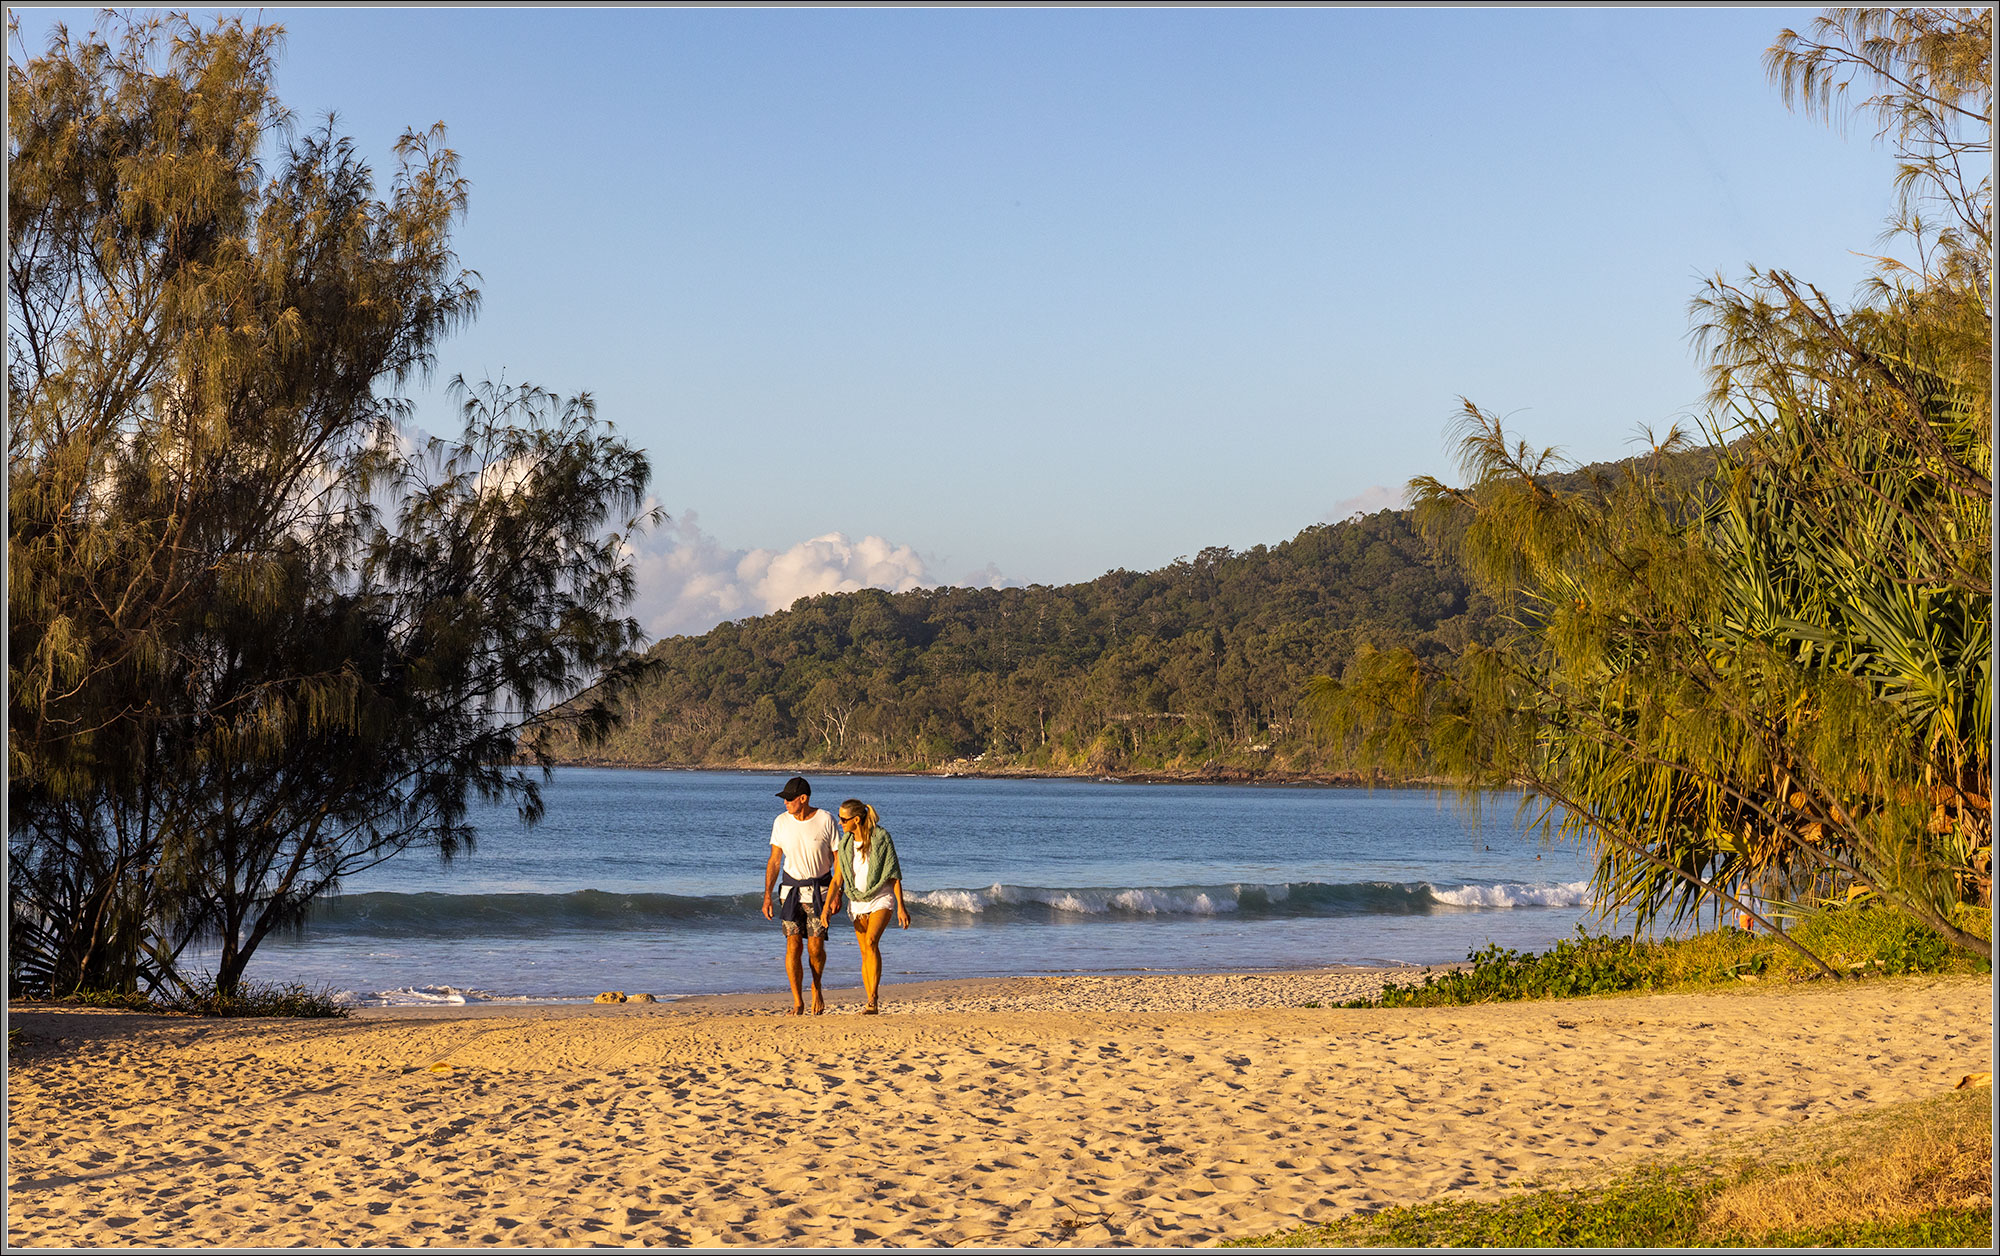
[(433, 915)]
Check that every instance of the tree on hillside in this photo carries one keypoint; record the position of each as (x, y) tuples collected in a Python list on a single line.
[(262, 635), (1772, 685), (1196, 668)]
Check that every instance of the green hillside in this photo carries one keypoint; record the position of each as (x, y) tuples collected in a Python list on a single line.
[(1197, 667)]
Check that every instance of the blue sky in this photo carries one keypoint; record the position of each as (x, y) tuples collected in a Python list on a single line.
[(933, 296)]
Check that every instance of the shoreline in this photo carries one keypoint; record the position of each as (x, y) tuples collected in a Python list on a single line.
[(1274, 778), (1077, 992), (979, 1117), (1241, 989)]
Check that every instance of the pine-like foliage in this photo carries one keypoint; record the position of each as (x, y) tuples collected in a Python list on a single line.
[(261, 636), (1775, 683)]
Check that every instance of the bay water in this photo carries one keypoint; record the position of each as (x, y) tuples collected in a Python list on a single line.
[(651, 881)]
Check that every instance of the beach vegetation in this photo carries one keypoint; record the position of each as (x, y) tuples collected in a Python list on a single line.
[(200, 996), (204, 996), (264, 632), (1912, 1175), (115, 1000), (1770, 687), (1867, 941)]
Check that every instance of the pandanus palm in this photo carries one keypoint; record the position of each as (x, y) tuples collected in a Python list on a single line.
[(1774, 677)]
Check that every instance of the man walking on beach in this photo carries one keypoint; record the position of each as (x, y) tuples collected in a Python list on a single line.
[(800, 867)]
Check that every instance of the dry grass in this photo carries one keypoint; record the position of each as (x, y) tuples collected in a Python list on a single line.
[(1911, 1161), (1914, 1175)]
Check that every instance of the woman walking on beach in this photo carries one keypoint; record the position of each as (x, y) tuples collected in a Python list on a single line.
[(865, 868)]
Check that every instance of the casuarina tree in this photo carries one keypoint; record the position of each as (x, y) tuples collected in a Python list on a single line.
[(263, 633)]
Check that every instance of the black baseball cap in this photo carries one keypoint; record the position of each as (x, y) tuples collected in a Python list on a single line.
[(794, 788)]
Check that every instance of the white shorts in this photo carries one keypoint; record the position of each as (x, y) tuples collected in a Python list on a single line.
[(859, 907)]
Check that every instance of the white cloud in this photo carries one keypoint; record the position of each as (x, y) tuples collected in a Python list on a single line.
[(688, 582), (987, 577), (829, 564), (1369, 500)]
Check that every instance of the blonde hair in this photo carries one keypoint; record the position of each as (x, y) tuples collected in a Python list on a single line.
[(855, 809)]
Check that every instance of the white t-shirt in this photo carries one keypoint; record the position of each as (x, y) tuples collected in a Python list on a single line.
[(808, 843)]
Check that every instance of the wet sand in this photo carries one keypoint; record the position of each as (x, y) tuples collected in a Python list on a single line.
[(1031, 1112)]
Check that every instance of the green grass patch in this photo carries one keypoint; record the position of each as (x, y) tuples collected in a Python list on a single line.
[(122, 1000), (1862, 939), (201, 998), (1913, 1175), (258, 998), (1653, 1208)]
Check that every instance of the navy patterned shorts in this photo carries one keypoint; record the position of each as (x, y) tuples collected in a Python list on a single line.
[(799, 903)]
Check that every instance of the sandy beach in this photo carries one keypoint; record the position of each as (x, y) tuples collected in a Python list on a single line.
[(1092, 1112)]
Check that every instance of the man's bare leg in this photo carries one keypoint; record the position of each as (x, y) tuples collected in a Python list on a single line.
[(795, 970), (816, 949)]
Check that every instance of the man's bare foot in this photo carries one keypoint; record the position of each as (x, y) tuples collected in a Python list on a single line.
[(819, 1004)]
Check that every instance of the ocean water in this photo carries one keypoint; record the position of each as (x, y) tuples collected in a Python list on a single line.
[(651, 881)]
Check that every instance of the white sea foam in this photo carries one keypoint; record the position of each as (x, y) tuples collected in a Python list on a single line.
[(441, 996), (954, 900), (1218, 900), (1567, 894), (1145, 900), (423, 996)]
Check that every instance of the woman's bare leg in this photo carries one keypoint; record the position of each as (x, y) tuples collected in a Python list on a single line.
[(868, 933)]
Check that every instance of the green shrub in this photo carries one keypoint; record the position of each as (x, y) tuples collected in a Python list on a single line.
[(1587, 965), (1860, 938), (131, 1002), (1865, 937), (256, 998), (200, 998), (1977, 921)]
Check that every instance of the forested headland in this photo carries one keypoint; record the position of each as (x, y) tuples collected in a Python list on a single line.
[(1197, 669), (1199, 666)]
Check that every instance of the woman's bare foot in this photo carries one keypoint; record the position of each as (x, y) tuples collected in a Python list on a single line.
[(799, 1010), (871, 1010)]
